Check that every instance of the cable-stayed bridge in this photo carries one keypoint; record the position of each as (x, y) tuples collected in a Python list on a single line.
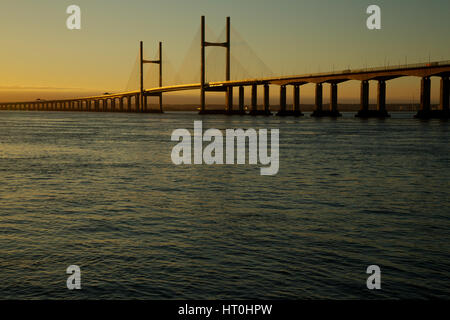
[(137, 100)]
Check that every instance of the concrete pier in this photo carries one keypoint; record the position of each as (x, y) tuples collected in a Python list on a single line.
[(229, 100), (121, 104), (381, 111), (254, 100), (319, 97), (381, 96), (145, 104), (425, 99), (334, 100), (425, 111), (129, 104), (283, 112), (297, 98), (364, 111), (333, 111), (297, 110), (445, 93), (266, 100), (318, 101), (136, 103), (241, 100), (381, 100)]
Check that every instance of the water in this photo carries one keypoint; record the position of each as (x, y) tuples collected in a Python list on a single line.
[(99, 190)]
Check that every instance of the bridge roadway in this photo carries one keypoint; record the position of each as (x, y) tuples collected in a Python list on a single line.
[(116, 102)]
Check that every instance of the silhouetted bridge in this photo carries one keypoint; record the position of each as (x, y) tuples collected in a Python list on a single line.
[(136, 101)]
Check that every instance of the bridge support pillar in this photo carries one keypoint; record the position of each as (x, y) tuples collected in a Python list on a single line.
[(425, 111), (364, 111), (282, 111), (241, 100), (136, 103), (229, 100), (121, 104), (129, 103), (318, 101), (334, 100), (381, 96), (445, 93), (254, 102), (161, 102), (425, 94), (319, 97), (113, 104), (266, 100), (365, 95), (332, 112), (381, 111), (297, 111), (144, 104), (296, 98)]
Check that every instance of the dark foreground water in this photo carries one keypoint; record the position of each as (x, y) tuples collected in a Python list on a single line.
[(99, 190)]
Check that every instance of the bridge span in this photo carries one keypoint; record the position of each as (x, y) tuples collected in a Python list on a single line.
[(137, 101)]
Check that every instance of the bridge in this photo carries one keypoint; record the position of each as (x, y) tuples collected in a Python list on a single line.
[(137, 101)]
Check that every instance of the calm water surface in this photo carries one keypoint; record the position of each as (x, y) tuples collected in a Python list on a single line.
[(99, 190)]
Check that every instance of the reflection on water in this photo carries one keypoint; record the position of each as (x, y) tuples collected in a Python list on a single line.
[(99, 190)]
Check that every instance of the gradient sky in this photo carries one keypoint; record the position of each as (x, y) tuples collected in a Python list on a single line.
[(40, 55)]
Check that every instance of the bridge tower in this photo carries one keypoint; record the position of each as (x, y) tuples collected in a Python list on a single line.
[(203, 85), (143, 94)]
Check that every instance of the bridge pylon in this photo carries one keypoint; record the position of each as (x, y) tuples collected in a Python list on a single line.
[(143, 94), (203, 86)]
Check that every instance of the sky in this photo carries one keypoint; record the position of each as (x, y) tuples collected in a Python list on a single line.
[(40, 57)]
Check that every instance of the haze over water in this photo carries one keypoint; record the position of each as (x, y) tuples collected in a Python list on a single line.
[(99, 190)]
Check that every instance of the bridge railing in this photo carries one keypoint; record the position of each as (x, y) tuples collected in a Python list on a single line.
[(376, 69)]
